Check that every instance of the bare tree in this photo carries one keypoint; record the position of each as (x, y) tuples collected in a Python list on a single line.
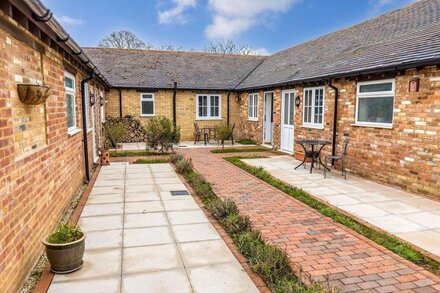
[(169, 48), (123, 39), (229, 47)]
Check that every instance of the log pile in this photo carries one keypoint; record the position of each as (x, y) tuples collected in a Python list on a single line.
[(133, 131)]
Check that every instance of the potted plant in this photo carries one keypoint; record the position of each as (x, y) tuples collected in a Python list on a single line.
[(65, 249)]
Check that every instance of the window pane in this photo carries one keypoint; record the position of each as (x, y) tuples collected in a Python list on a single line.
[(251, 106), (308, 106), (376, 110), (286, 108), (203, 106), (319, 103), (70, 107), (292, 108), (377, 87), (147, 96), (68, 82), (147, 107), (214, 100)]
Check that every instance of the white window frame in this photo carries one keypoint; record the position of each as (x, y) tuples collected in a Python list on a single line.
[(208, 111), (255, 98), (141, 98), (381, 94), (313, 124), (71, 91), (102, 108)]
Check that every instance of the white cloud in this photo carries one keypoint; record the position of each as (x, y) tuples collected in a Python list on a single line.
[(176, 13), (262, 51), (380, 6), (232, 17), (64, 19)]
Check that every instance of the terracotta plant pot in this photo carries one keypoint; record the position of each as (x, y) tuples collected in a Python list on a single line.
[(66, 257), (32, 94)]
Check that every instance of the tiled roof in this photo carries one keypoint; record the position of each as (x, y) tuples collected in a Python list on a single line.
[(159, 69), (405, 37)]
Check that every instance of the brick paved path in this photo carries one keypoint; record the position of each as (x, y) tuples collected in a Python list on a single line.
[(321, 247)]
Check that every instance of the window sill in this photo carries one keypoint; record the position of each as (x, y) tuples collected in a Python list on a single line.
[(89, 130), (146, 116), (253, 119), (73, 132), (30, 153), (383, 126), (210, 119), (321, 127)]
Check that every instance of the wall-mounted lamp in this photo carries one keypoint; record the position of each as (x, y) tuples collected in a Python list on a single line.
[(92, 99), (101, 101), (237, 99), (297, 101)]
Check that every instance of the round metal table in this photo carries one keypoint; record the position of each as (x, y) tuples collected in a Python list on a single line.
[(313, 154)]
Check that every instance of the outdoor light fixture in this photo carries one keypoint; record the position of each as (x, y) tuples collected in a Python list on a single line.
[(297, 101), (414, 84), (101, 101), (237, 98), (92, 99)]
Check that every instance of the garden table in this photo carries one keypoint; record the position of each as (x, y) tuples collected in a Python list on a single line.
[(312, 154)]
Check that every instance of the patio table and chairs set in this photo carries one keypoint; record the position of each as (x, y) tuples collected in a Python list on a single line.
[(312, 152), (209, 133)]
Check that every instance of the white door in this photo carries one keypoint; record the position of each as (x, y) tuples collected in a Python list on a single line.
[(287, 120), (267, 118)]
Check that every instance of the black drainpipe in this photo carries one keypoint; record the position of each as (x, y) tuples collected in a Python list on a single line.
[(175, 104), (227, 110), (84, 124), (120, 103), (335, 119)]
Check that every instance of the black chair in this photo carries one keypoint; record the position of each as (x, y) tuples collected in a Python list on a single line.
[(342, 158)]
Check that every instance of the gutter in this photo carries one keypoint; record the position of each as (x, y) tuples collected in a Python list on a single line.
[(227, 109), (120, 103), (84, 125), (42, 14), (335, 119)]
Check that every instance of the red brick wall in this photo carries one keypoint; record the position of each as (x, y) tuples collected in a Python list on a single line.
[(35, 186), (408, 155)]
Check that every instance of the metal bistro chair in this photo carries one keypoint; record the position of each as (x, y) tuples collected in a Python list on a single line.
[(342, 158), (231, 137), (197, 133)]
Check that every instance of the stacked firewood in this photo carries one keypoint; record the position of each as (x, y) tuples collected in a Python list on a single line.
[(127, 129)]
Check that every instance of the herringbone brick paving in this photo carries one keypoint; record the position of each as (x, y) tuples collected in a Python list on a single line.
[(322, 248)]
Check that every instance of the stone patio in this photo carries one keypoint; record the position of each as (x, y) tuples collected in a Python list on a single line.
[(140, 238), (408, 216)]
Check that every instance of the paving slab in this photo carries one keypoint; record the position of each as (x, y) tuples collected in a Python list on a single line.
[(140, 238)]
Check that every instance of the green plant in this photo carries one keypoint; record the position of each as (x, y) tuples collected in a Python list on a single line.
[(220, 209), (151, 161), (247, 141), (236, 224), (161, 134), (184, 166), (131, 154), (389, 242), (176, 157), (65, 234), (223, 132), (117, 131), (240, 150)]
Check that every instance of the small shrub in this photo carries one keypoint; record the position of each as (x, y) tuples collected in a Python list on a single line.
[(248, 242), (221, 209), (235, 223), (184, 166), (65, 234), (176, 157), (151, 161), (161, 134), (223, 132), (247, 141), (116, 131)]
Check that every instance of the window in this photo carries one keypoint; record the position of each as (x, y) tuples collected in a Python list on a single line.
[(102, 103), (375, 103), (69, 85), (147, 104), (313, 107), (208, 107), (253, 107)]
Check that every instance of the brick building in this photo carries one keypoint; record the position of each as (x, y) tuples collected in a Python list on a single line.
[(42, 147), (377, 82)]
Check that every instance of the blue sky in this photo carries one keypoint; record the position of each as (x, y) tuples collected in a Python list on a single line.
[(268, 25)]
